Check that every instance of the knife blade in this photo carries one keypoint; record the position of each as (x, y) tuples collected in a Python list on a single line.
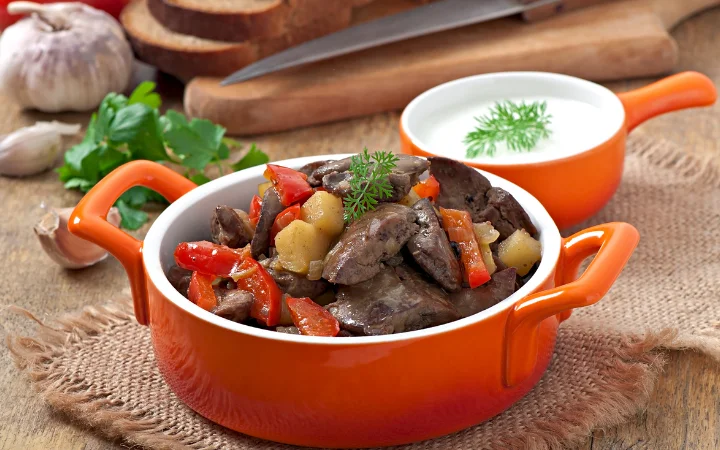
[(431, 18)]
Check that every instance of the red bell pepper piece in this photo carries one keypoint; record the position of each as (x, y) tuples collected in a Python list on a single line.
[(312, 319), (208, 258), (254, 214), (429, 188), (267, 303), (291, 185), (201, 291), (458, 226), (284, 219)]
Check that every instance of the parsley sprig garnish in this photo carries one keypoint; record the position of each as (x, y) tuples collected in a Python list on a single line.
[(520, 126), (369, 182), (125, 129)]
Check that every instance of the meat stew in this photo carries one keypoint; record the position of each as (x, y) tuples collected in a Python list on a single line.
[(424, 254)]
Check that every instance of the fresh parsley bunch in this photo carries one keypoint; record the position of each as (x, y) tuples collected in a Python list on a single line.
[(126, 129)]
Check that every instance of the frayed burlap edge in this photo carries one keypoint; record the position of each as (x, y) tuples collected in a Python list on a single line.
[(635, 371), (633, 374)]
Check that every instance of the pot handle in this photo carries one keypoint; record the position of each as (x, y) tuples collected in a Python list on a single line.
[(88, 220), (614, 243), (681, 91)]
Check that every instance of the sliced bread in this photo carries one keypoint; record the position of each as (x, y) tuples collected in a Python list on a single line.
[(187, 56), (241, 20)]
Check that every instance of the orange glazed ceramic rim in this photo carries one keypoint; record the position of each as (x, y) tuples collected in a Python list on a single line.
[(151, 254)]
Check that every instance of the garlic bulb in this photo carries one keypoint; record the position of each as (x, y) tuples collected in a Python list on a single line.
[(33, 149), (65, 57), (64, 248)]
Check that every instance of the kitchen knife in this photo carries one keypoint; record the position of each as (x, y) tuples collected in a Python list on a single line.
[(431, 18)]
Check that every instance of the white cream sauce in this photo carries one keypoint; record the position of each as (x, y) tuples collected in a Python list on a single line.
[(575, 127)]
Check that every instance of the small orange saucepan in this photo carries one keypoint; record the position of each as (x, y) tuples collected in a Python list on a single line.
[(353, 391), (575, 171)]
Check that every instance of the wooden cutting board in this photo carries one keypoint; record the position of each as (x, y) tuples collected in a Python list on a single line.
[(622, 39)]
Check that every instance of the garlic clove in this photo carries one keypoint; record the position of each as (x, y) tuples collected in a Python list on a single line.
[(34, 149), (64, 248)]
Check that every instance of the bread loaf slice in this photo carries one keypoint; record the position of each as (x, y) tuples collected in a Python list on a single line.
[(186, 56), (242, 20)]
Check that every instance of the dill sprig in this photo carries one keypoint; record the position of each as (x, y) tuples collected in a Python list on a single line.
[(369, 182), (521, 126)]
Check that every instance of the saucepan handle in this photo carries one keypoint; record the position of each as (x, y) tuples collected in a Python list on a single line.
[(614, 243), (88, 220), (681, 91)]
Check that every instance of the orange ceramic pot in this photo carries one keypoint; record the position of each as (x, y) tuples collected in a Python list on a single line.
[(572, 185), (343, 392)]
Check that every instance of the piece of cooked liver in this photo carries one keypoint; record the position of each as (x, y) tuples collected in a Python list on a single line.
[(464, 188), (471, 301), (233, 304), (375, 237), (270, 208), (309, 168), (461, 187), (395, 300), (294, 284), (431, 248), (505, 213), (180, 279), (230, 227)]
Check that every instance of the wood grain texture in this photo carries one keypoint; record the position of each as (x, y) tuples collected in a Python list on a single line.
[(611, 41), (684, 409)]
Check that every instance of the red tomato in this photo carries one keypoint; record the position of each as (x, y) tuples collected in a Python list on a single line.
[(282, 220), (458, 226), (201, 291), (267, 295), (429, 188), (312, 319), (291, 185), (254, 214), (208, 258)]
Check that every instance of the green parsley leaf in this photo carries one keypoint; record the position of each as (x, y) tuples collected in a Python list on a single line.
[(131, 218), (138, 126), (144, 94), (254, 157), (369, 182), (125, 129), (199, 179)]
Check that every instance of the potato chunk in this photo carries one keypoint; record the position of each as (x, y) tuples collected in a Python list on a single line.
[(410, 199), (325, 212), (521, 251), (298, 244), (262, 187)]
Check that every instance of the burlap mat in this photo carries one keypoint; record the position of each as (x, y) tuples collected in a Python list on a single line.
[(97, 366)]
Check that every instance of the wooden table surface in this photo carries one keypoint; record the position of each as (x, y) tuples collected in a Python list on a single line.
[(684, 410)]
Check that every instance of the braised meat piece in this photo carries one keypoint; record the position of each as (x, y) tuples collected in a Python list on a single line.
[(271, 207), (180, 279), (461, 187), (309, 168), (230, 227), (464, 188), (431, 248), (375, 237), (233, 304), (505, 213), (294, 284), (395, 300), (471, 301), (404, 176)]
